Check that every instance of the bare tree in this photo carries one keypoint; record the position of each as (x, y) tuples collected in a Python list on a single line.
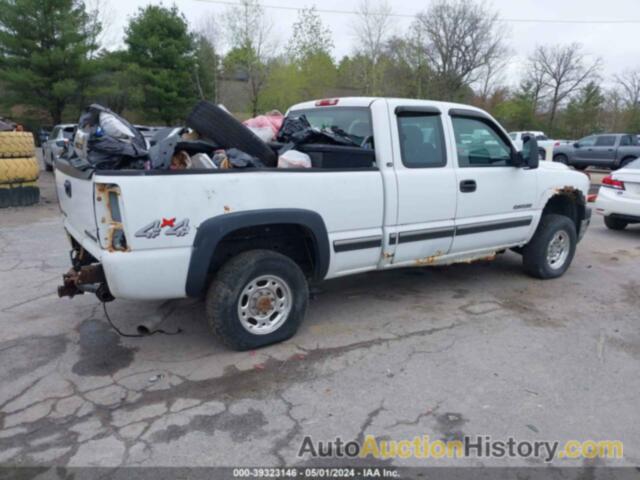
[(536, 79), (629, 86), (102, 25), (249, 33), (565, 69), (208, 43), (492, 79), (372, 30), (461, 39), (310, 36)]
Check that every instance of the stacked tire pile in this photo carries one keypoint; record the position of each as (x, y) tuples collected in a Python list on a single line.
[(19, 170)]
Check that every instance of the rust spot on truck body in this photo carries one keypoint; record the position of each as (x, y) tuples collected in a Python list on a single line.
[(429, 260)]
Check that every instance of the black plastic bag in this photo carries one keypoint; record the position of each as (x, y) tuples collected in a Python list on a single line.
[(297, 131), (107, 141), (240, 159), (292, 125)]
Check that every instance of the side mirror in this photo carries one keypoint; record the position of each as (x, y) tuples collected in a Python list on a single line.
[(576, 145), (530, 154)]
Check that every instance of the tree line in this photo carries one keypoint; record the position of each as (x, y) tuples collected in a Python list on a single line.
[(53, 61)]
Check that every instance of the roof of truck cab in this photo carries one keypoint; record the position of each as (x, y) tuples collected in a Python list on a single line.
[(367, 101)]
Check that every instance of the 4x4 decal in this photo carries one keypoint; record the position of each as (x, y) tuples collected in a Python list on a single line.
[(169, 225)]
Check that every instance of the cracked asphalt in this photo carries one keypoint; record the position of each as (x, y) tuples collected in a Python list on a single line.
[(476, 349)]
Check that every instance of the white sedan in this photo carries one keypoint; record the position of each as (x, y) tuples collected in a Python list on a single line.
[(619, 197)]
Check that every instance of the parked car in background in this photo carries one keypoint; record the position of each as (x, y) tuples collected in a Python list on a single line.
[(611, 150), (545, 144), (619, 197), (51, 149), (42, 135)]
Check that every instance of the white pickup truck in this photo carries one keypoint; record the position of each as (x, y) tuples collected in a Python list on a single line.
[(444, 184)]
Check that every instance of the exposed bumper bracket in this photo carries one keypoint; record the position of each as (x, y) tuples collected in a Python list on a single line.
[(88, 278)]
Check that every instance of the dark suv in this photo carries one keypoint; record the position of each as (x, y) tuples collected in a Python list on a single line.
[(611, 150)]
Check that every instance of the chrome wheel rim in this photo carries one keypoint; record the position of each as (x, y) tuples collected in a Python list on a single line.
[(558, 250), (264, 304)]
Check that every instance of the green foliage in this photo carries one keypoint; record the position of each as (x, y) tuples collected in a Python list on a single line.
[(294, 82), (161, 51), (45, 50), (518, 112), (114, 85), (584, 113), (206, 68)]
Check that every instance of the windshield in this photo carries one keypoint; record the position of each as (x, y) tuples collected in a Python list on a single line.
[(355, 122)]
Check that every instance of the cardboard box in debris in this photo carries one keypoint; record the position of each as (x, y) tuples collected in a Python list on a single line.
[(211, 139)]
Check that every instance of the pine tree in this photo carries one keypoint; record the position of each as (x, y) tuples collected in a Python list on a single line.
[(45, 50), (161, 50)]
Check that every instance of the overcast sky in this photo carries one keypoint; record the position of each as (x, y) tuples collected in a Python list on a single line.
[(616, 43)]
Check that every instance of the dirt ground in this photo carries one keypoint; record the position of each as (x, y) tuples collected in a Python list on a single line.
[(476, 349)]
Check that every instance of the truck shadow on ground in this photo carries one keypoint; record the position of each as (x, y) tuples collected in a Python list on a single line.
[(371, 300)]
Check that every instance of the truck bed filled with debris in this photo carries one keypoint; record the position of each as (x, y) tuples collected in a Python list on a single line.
[(212, 139)]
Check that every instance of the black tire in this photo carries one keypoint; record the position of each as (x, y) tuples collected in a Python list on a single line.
[(19, 196), (213, 123), (225, 292), (613, 223), (625, 161), (561, 159), (535, 254)]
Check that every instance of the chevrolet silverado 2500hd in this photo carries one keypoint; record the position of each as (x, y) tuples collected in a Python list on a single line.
[(435, 183)]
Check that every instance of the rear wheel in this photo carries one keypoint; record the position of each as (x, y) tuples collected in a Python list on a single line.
[(613, 223), (49, 166), (626, 161), (551, 250), (561, 159), (256, 299)]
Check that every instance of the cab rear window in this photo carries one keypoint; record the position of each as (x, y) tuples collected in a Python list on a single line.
[(355, 122)]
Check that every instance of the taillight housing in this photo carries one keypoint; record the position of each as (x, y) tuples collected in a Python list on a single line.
[(610, 182), (109, 213), (327, 102)]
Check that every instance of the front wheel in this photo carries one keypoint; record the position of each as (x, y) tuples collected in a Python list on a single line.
[(613, 223), (257, 298), (551, 250)]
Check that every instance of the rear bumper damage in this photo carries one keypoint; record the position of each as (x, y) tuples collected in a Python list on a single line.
[(85, 279), (86, 275)]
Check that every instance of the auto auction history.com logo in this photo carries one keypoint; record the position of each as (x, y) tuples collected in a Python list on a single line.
[(480, 446)]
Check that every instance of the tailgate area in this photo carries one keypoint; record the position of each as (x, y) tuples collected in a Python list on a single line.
[(75, 191)]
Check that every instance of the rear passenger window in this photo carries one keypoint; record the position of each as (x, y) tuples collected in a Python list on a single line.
[(605, 141), (626, 141), (479, 145), (421, 140)]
